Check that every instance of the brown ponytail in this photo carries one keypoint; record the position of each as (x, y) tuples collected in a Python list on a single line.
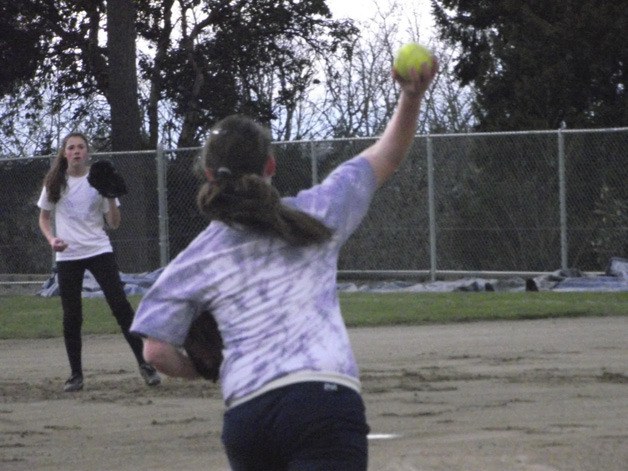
[(237, 150)]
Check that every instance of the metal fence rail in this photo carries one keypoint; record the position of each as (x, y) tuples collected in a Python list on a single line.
[(511, 203)]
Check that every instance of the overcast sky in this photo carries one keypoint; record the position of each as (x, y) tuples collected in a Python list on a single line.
[(366, 9)]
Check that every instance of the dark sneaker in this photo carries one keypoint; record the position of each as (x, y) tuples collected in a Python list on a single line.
[(150, 375), (74, 383)]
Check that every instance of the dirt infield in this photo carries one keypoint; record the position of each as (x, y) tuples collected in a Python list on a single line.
[(500, 396)]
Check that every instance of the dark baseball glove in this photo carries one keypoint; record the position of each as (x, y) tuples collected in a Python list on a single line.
[(203, 346), (107, 181)]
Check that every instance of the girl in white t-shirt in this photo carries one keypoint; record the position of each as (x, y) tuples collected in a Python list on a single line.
[(81, 243), (266, 267)]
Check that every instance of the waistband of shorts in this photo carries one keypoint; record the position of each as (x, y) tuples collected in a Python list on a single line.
[(299, 377)]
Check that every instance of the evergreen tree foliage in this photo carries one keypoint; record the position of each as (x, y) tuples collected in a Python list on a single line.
[(536, 64)]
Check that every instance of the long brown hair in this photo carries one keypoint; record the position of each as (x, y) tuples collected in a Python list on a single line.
[(237, 151), (56, 179)]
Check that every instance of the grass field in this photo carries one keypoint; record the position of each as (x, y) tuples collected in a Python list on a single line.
[(37, 317)]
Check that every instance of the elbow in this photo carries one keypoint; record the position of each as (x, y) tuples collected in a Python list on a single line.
[(159, 354), (154, 353), (113, 223), (44, 219)]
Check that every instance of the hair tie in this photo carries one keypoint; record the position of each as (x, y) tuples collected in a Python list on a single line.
[(223, 172)]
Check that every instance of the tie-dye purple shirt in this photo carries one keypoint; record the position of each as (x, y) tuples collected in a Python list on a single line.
[(276, 305)]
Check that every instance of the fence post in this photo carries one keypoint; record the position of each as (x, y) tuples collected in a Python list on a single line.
[(314, 163), (431, 207), (562, 195), (162, 196)]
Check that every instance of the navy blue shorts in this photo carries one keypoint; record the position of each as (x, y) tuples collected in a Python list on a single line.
[(312, 426)]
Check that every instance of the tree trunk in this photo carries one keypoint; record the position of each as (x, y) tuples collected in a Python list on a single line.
[(131, 241), (123, 96)]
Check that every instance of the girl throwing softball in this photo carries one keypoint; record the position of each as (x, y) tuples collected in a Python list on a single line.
[(266, 268)]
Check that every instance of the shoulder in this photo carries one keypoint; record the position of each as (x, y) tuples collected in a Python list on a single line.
[(342, 199), (356, 173), (351, 179)]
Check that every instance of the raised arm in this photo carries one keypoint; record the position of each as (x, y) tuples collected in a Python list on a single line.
[(391, 148)]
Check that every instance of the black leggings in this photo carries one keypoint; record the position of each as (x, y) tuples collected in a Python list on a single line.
[(70, 277)]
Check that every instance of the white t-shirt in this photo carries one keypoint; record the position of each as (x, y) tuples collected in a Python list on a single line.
[(276, 304), (79, 219)]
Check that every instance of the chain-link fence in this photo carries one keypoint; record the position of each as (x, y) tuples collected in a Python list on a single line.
[(523, 202)]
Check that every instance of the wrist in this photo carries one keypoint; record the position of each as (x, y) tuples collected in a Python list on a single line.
[(413, 94)]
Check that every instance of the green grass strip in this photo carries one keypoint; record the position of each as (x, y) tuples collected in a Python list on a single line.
[(37, 317)]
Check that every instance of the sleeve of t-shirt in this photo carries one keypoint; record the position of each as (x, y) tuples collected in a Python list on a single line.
[(342, 199), (167, 309), (43, 202), (105, 205)]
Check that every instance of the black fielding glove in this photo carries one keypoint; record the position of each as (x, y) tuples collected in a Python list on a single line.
[(203, 346), (107, 181)]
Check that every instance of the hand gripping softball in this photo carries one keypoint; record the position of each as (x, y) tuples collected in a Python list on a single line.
[(203, 346), (107, 181)]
